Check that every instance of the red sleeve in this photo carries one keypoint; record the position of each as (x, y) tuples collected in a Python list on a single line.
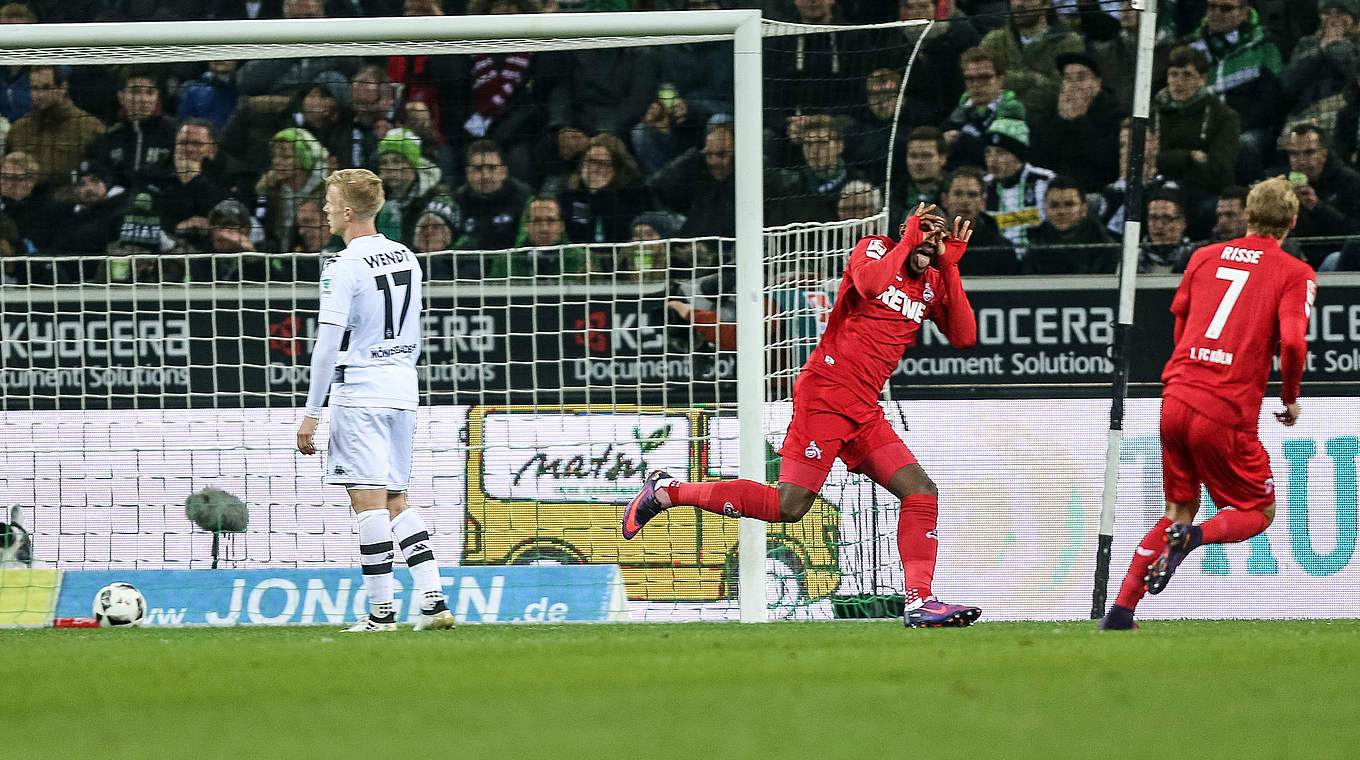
[(1180, 303), (1296, 306), (873, 266), (956, 319)]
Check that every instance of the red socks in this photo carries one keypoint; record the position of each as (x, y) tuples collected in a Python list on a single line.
[(1133, 588), (917, 543), (1232, 525), (733, 498)]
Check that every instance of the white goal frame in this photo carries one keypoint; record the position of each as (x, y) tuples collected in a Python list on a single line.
[(151, 42)]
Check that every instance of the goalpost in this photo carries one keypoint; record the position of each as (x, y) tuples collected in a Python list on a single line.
[(109, 388)]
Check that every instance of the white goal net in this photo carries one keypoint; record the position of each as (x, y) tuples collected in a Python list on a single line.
[(594, 344)]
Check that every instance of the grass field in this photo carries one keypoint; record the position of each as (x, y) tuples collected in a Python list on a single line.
[(789, 690)]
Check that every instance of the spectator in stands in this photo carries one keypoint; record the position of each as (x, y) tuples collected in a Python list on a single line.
[(55, 131), (1070, 240), (935, 76), (873, 123), (141, 239), (26, 203), (1329, 193), (230, 236), (14, 270), (319, 107), (141, 147), (859, 199), (1117, 55), (808, 192), (247, 9), (695, 91), (283, 76), (89, 224), (811, 72), (377, 8), (212, 96), (490, 202), (415, 115), (313, 232), (14, 93), (1197, 133), (1078, 137), (493, 95), (298, 165), (1284, 21), (1166, 248), (926, 157), (422, 78), (202, 178), (1029, 46), (1111, 206), (410, 179), (982, 102), (1231, 214), (373, 102), (542, 248), (700, 184), (1243, 70), (605, 193), (649, 259), (436, 230), (1016, 190), (989, 252), (1324, 64), (593, 91)]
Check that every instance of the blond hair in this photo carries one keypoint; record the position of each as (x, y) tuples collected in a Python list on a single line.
[(29, 163), (360, 189), (1272, 205)]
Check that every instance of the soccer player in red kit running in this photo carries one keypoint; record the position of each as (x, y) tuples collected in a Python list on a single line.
[(888, 290), (1237, 302)]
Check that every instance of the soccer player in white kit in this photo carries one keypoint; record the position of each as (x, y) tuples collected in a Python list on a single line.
[(368, 342)]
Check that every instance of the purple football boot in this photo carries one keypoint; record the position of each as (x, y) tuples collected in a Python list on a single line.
[(933, 613), (644, 506)]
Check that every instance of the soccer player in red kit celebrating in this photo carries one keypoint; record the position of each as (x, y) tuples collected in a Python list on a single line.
[(888, 290), (1237, 302)]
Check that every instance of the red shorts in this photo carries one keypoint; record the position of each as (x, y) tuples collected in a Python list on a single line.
[(826, 425), (1231, 464)]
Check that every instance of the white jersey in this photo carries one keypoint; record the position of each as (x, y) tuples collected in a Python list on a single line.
[(372, 289)]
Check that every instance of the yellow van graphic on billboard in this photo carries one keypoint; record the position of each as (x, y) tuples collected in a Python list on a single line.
[(548, 485)]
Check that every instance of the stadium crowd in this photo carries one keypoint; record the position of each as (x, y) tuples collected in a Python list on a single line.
[(1015, 116)]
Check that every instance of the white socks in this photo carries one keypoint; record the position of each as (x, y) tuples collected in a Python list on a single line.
[(414, 541), (375, 557)]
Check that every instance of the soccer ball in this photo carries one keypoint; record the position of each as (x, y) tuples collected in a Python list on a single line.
[(119, 604)]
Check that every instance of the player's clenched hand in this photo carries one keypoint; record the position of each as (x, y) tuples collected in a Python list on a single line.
[(306, 430), (1289, 416)]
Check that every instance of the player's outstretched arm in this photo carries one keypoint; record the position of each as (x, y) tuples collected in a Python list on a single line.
[(324, 353)]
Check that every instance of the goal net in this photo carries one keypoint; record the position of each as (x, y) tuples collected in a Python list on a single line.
[(583, 308)]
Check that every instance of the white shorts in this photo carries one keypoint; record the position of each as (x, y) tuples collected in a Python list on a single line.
[(370, 447)]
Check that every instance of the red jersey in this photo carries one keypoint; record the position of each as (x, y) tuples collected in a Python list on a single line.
[(880, 308), (1237, 302)]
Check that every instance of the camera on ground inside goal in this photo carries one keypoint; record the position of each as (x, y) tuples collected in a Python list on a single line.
[(119, 605)]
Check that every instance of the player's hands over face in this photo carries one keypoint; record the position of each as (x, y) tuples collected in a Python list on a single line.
[(931, 223), (1289, 416), (306, 430)]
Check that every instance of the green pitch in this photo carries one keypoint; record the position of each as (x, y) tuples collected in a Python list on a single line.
[(789, 690)]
